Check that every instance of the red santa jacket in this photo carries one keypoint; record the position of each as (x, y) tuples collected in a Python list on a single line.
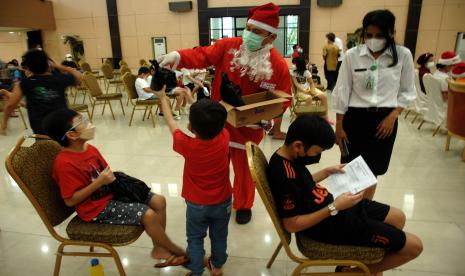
[(220, 56)]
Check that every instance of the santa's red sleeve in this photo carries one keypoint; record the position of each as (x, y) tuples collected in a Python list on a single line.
[(203, 56)]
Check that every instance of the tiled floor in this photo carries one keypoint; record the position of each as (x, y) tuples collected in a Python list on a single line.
[(424, 180)]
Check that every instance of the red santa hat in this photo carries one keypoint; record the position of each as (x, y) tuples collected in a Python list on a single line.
[(458, 71), (265, 17), (449, 58)]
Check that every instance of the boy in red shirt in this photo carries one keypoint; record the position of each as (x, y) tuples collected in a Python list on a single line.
[(206, 186), (83, 176)]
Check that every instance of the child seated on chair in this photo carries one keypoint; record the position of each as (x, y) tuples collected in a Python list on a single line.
[(305, 206), (83, 176), (305, 87), (206, 185)]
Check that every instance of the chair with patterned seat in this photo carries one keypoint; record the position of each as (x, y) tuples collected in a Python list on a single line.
[(98, 97), (317, 254), (129, 81), (31, 168)]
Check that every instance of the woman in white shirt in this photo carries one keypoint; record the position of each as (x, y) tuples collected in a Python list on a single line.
[(305, 87), (375, 83)]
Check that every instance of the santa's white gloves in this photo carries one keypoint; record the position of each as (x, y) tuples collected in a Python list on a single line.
[(172, 59)]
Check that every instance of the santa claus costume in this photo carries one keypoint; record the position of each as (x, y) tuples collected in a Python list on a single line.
[(254, 70)]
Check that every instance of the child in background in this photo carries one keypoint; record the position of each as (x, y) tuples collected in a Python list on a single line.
[(83, 176), (206, 185)]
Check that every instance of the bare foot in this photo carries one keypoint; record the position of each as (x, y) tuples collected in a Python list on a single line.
[(160, 253)]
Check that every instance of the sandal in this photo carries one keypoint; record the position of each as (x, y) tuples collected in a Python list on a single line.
[(173, 260), (208, 264)]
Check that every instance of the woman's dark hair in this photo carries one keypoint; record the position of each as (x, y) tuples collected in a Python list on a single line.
[(311, 130), (300, 65), (36, 61), (385, 21), (57, 123), (423, 59)]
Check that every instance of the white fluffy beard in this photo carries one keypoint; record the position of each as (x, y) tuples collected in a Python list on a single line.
[(256, 64)]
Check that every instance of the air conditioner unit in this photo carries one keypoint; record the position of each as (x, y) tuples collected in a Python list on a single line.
[(329, 3), (183, 6)]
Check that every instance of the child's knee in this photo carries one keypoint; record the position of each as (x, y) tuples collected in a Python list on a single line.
[(149, 216), (413, 246), (396, 218), (158, 202)]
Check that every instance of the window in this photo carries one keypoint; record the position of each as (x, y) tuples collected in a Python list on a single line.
[(288, 31)]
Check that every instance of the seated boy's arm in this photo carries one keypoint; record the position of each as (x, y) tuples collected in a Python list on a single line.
[(106, 177), (302, 222), (166, 109)]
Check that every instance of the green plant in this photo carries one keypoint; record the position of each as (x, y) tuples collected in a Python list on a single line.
[(76, 45)]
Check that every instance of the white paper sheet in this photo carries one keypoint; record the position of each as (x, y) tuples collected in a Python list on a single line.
[(357, 177)]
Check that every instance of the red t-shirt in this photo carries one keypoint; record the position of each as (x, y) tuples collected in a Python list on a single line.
[(206, 167), (74, 171)]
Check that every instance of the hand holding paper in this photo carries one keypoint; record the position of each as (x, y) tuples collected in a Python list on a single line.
[(357, 177)]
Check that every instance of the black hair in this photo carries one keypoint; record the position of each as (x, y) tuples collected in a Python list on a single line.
[(207, 118), (440, 66), (36, 61), (385, 21), (294, 46), (331, 37), (143, 70), (57, 123), (423, 59), (300, 65), (311, 130)]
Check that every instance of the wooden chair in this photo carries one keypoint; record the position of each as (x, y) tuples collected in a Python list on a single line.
[(110, 78), (31, 168), (144, 63), (86, 68), (123, 63), (316, 253), (146, 105), (299, 106), (17, 109), (123, 70), (98, 97)]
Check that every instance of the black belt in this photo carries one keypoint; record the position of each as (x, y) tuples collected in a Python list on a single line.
[(372, 109)]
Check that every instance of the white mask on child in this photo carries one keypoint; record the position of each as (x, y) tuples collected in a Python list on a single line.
[(88, 133)]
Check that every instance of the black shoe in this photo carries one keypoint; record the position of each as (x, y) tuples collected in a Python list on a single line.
[(160, 114), (243, 216)]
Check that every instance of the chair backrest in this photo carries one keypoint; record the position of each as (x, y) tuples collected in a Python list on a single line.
[(90, 81), (129, 81), (31, 168), (143, 62), (107, 71), (436, 106), (257, 165), (124, 69), (122, 62), (86, 67)]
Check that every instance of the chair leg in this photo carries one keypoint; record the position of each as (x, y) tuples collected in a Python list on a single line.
[(84, 98), (22, 117), (406, 114), (122, 107), (56, 271), (88, 114), (93, 107), (436, 131), (145, 112), (415, 118), (119, 265), (104, 105), (153, 117), (448, 141), (91, 249), (275, 253), (132, 115), (111, 110), (421, 124)]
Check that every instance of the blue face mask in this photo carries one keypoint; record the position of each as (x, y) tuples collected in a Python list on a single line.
[(252, 41)]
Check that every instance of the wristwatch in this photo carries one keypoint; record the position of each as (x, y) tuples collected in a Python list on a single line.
[(332, 209)]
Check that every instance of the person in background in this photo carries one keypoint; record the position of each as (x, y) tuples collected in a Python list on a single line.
[(69, 62), (330, 56), (376, 82), (297, 51), (426, 63), (44, 91), (458, 72), (338, 42), (445, 63)]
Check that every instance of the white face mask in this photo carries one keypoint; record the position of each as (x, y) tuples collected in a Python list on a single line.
[(88, 133), (430, 64), (375, 44)]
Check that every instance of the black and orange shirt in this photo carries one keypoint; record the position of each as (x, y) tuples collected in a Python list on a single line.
[(293, 188)]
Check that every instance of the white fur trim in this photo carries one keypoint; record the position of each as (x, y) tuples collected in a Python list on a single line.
[(262, 25), (458, 76), (449, 61), (236, 145)]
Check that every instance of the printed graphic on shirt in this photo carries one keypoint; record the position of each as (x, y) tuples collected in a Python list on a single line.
[(288, 203), (290, 173), (320, 193), (381, 240), (92, 167), (44, 95)]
